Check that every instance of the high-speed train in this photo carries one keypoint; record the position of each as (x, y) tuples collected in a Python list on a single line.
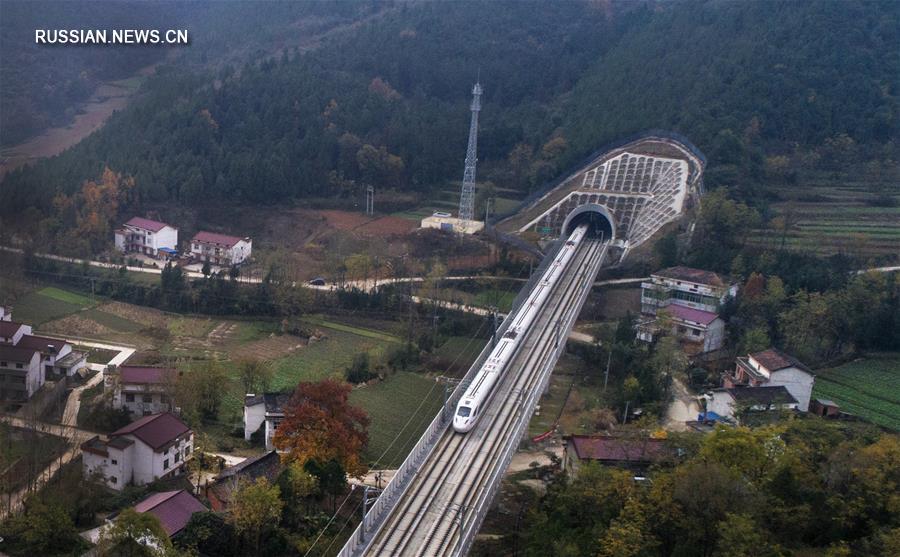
[(474, 400)]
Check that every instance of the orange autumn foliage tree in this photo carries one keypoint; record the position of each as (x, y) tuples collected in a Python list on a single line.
[(320, 424)]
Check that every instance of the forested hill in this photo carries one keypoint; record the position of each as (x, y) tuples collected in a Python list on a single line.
[(387, 103)]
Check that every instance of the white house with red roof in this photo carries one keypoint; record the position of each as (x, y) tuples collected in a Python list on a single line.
[(142, 452), (773, 368), (148, 237), (220, 249), (143, 390)]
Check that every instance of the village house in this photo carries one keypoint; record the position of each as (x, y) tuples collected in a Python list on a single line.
[(173, 509), (220, 249), (264, 410), (686, 301), (144, 451), (219, 493), (142, 390), (21, 374), (772, 368), (732, 402), (5, 314), (623, 452), (148, 237), (27, 361)]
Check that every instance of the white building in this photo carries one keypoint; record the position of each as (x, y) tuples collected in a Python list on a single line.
[(727, 402), (688, 287), (690, 299), (27, 361), (220, 249), (21, 374), (142, 390), (698, 331), (5, 314), (144, 451), (57, 356), (771, 368), (148, 237), (264, 410)]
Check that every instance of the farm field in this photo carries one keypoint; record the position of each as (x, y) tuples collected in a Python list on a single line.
[(40, 306), (836, 217), (400, 408), (869, 388)]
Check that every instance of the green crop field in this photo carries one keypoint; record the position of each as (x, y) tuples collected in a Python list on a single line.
[(400, 408), (869, 388), (368, 333), (47, 304), (66, 296), (114, 322), (501, 299)]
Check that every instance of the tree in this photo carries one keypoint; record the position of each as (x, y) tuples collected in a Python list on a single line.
[(741, 536), (201, 389), (208, 533), (43, 529), (256, 375), (255, 506), (134, 534), (628, 535), (320, 424)]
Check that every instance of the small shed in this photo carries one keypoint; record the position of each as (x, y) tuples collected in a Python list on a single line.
[(824, 407)]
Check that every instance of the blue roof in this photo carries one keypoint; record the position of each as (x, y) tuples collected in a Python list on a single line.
[(169, 250)]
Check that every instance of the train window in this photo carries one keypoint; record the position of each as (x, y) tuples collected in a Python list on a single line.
[(464, 411)]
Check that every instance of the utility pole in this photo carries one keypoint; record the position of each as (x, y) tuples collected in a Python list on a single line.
[(606, 375), (487, 209), (370, 200), (467, 197), (625, 416)]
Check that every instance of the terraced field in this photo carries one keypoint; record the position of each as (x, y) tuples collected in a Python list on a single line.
[(869, 388), (829, 219)]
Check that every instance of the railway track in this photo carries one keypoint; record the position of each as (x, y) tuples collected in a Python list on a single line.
[(438, 507)]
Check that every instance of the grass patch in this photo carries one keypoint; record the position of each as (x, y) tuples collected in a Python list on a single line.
[(869, 388), (502, 299), (400, 407), (458, 353), (368, 333), (37, 309), (66, 296), (111, 321)]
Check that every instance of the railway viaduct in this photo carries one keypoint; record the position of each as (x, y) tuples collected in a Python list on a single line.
[(437, 499)]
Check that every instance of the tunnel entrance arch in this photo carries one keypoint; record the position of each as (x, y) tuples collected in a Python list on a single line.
[(597, 216)]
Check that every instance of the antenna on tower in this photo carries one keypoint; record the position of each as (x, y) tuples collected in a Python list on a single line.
[(467, 197)]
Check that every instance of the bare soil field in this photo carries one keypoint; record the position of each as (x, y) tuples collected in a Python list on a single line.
[(148, 317), (271, 348), (76, 325)]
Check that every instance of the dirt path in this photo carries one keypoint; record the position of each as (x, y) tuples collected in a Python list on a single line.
[(683, 407), (92, 114), (75, 438)]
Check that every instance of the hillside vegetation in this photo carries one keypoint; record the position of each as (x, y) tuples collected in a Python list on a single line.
[(770, 91)]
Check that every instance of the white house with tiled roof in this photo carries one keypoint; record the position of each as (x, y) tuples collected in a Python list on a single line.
[(148, 237), (27, 361), (142, 390), (142, 452), (773, 368), (220, 249)]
